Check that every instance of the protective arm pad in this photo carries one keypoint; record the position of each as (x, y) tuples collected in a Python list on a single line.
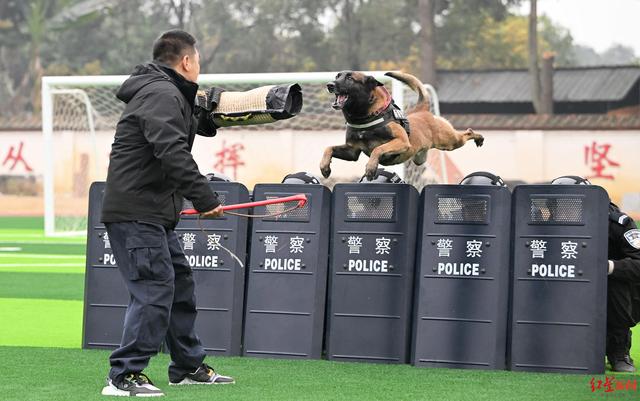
[(262, 105), (206, 102)]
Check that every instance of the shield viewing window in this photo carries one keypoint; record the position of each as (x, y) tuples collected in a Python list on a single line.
[(370, 206), (299, 214), (463, 209), (556, 209)]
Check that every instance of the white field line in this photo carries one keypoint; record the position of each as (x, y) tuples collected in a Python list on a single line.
[(11, 236), (19, 241), (39, 256), (10, 249), (41, 265), (20, 235)]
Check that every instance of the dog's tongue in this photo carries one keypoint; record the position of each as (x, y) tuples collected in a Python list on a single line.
[(339, 102)]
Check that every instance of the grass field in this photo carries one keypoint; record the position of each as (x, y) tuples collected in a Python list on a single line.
[(41, 293)]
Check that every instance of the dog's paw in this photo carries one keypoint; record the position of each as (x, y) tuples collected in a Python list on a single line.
[(371, 172), (326, 171)]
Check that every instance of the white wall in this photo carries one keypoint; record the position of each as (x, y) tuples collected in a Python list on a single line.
[(266, 156)]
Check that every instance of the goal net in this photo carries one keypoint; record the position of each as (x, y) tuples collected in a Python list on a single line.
[(80, 114)]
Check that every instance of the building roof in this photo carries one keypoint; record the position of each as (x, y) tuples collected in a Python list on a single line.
[(579, 84), (605, 97), (574, 122), (476, 121)]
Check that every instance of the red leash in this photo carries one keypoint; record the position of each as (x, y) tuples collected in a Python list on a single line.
[(301, 198)]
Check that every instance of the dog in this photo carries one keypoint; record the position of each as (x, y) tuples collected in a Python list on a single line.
[(377, 127)]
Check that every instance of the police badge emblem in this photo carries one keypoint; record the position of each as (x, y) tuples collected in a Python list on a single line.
[(633, 238)]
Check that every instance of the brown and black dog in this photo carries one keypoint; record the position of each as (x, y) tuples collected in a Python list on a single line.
[(364, 101)]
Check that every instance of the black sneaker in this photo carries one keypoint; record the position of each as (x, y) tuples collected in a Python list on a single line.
[(203, 375), (624, 364), (133, 385)]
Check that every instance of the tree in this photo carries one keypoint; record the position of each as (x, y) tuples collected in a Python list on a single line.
[(426, 11), (31, 22), (352, 26), (181, 10), (111, 36), (619, 54), (534, 71), (459, 25)]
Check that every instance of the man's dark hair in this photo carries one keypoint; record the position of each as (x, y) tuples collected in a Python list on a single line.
[(172, 45)]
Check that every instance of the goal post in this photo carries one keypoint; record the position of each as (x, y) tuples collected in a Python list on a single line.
[(80, 113), (435, 169)]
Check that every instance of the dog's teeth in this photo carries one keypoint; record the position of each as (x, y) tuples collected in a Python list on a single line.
[(340, 101)]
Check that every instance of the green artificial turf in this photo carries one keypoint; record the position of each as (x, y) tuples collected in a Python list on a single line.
[(22, 222), (35, 236), (40, 260), (41, 307), (79, 375), (42, 285), (43, 267), (40, 323), (43, 248), (30, 230)]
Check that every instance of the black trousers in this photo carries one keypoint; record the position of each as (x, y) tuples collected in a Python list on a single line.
[(162, 303), (623, 312)]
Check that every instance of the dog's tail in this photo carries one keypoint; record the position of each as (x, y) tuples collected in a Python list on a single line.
[(413, 83)]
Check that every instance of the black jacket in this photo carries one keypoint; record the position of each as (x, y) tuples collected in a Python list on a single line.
[(151, 167), (624, 246)]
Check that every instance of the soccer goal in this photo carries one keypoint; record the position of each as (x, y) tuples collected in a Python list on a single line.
[(80, 113)]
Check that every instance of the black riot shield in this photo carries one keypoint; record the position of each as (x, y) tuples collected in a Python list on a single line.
[(558, 321), (105, 294), (371, 272), (287, 274), (211, 247), (462, 277), (219, 279)]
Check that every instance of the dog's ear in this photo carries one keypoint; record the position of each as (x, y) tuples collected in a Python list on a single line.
[(372, 82)]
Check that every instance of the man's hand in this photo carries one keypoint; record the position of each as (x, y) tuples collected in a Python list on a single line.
[(217, 212)]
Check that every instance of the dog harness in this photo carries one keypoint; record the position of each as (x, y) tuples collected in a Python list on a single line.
[(389, 113)]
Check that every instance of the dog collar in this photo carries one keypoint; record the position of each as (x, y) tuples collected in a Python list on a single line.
[(366, 125)]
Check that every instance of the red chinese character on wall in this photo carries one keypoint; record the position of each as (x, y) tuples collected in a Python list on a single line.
[(595, 156), (229, 157), (15, 158)]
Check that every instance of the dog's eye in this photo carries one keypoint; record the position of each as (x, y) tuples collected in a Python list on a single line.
[(349, 77)]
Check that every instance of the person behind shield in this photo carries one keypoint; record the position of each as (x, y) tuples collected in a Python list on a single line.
[(482, 178), (623, 283), (474, 210), (383, 177)]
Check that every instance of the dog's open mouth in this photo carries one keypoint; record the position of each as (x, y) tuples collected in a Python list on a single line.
[(338, 104)]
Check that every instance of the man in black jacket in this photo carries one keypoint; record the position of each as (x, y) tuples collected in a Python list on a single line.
[(623, 284), (150, 170)]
